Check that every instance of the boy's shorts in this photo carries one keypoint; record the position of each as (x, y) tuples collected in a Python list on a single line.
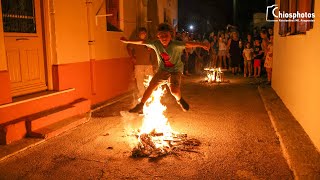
[(257, 63), (173, 79)]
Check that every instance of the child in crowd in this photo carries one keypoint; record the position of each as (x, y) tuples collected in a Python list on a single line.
[(258, 55), (247, 56), (170, 65), (269, 59), (222, 53)]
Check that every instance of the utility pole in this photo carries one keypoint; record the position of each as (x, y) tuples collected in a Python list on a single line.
[(234, 12)]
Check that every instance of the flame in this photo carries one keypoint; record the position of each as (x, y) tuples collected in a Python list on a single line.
[(213, 75), (154, 120)]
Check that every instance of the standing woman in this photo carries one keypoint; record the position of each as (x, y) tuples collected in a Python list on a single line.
[(235, 52)]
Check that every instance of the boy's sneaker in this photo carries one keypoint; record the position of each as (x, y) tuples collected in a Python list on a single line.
[(183, 104), (137, 109)]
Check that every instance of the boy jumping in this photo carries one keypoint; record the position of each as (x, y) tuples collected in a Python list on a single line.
[(170, 69)]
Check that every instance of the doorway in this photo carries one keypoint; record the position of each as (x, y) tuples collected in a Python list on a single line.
[(24, 43)]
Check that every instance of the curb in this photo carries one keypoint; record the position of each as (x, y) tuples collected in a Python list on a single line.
[(302, 156)]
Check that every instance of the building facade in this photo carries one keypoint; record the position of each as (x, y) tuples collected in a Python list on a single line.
[(55, 52), (295, 67)]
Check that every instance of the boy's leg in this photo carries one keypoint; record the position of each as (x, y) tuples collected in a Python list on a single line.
[(159, 78), (174, 84)]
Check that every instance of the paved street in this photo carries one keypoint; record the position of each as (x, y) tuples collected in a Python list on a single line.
[(238, 141)]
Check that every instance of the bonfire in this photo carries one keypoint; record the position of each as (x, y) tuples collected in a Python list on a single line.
[(156, 137), (214, 75)]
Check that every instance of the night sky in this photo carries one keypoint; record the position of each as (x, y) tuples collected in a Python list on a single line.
[(214, 15)]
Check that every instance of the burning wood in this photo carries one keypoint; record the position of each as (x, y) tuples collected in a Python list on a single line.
[(155, 136), (148, 147)]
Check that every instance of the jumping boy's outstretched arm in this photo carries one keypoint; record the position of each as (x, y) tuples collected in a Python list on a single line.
[(205, 46), (125, 40)]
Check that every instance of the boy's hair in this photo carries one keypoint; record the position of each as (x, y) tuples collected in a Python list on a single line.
[(164, 27), (142, 29)]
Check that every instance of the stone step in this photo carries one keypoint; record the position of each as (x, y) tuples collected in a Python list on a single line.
[(46, 118), (32, 104), (60, 126), (20, 128)]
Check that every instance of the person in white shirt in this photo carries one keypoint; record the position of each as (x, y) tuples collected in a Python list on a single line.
[(248, 57), (222, 54)]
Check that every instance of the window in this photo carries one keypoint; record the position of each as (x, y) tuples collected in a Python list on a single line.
[(113, 23), (18, 16), (303, 24)]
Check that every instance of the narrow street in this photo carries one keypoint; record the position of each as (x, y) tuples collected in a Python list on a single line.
[(236, 134)]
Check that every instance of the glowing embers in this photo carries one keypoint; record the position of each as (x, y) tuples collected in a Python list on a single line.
[(214, 75), (155, 145), (156, 137)]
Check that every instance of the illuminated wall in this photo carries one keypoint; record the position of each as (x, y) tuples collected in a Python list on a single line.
[(71, 31), (296, 75), (3, 61), (168, 8), (108, 45), (99, 71)]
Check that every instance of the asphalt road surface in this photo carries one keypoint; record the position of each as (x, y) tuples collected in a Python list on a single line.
[(237, 141)]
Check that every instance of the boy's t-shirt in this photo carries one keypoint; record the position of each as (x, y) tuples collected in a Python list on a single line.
[(169, 58), (257, 50)]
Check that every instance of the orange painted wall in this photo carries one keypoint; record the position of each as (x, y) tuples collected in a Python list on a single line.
[(99, 72), (71, 31), (3, 60), (73, 75), (5, 94), (113, 77), (16, 111)]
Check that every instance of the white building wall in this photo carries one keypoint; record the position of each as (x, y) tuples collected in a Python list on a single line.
[(296, 75)]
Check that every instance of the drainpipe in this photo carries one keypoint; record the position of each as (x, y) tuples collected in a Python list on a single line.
[(91, 43), (52, 79)]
